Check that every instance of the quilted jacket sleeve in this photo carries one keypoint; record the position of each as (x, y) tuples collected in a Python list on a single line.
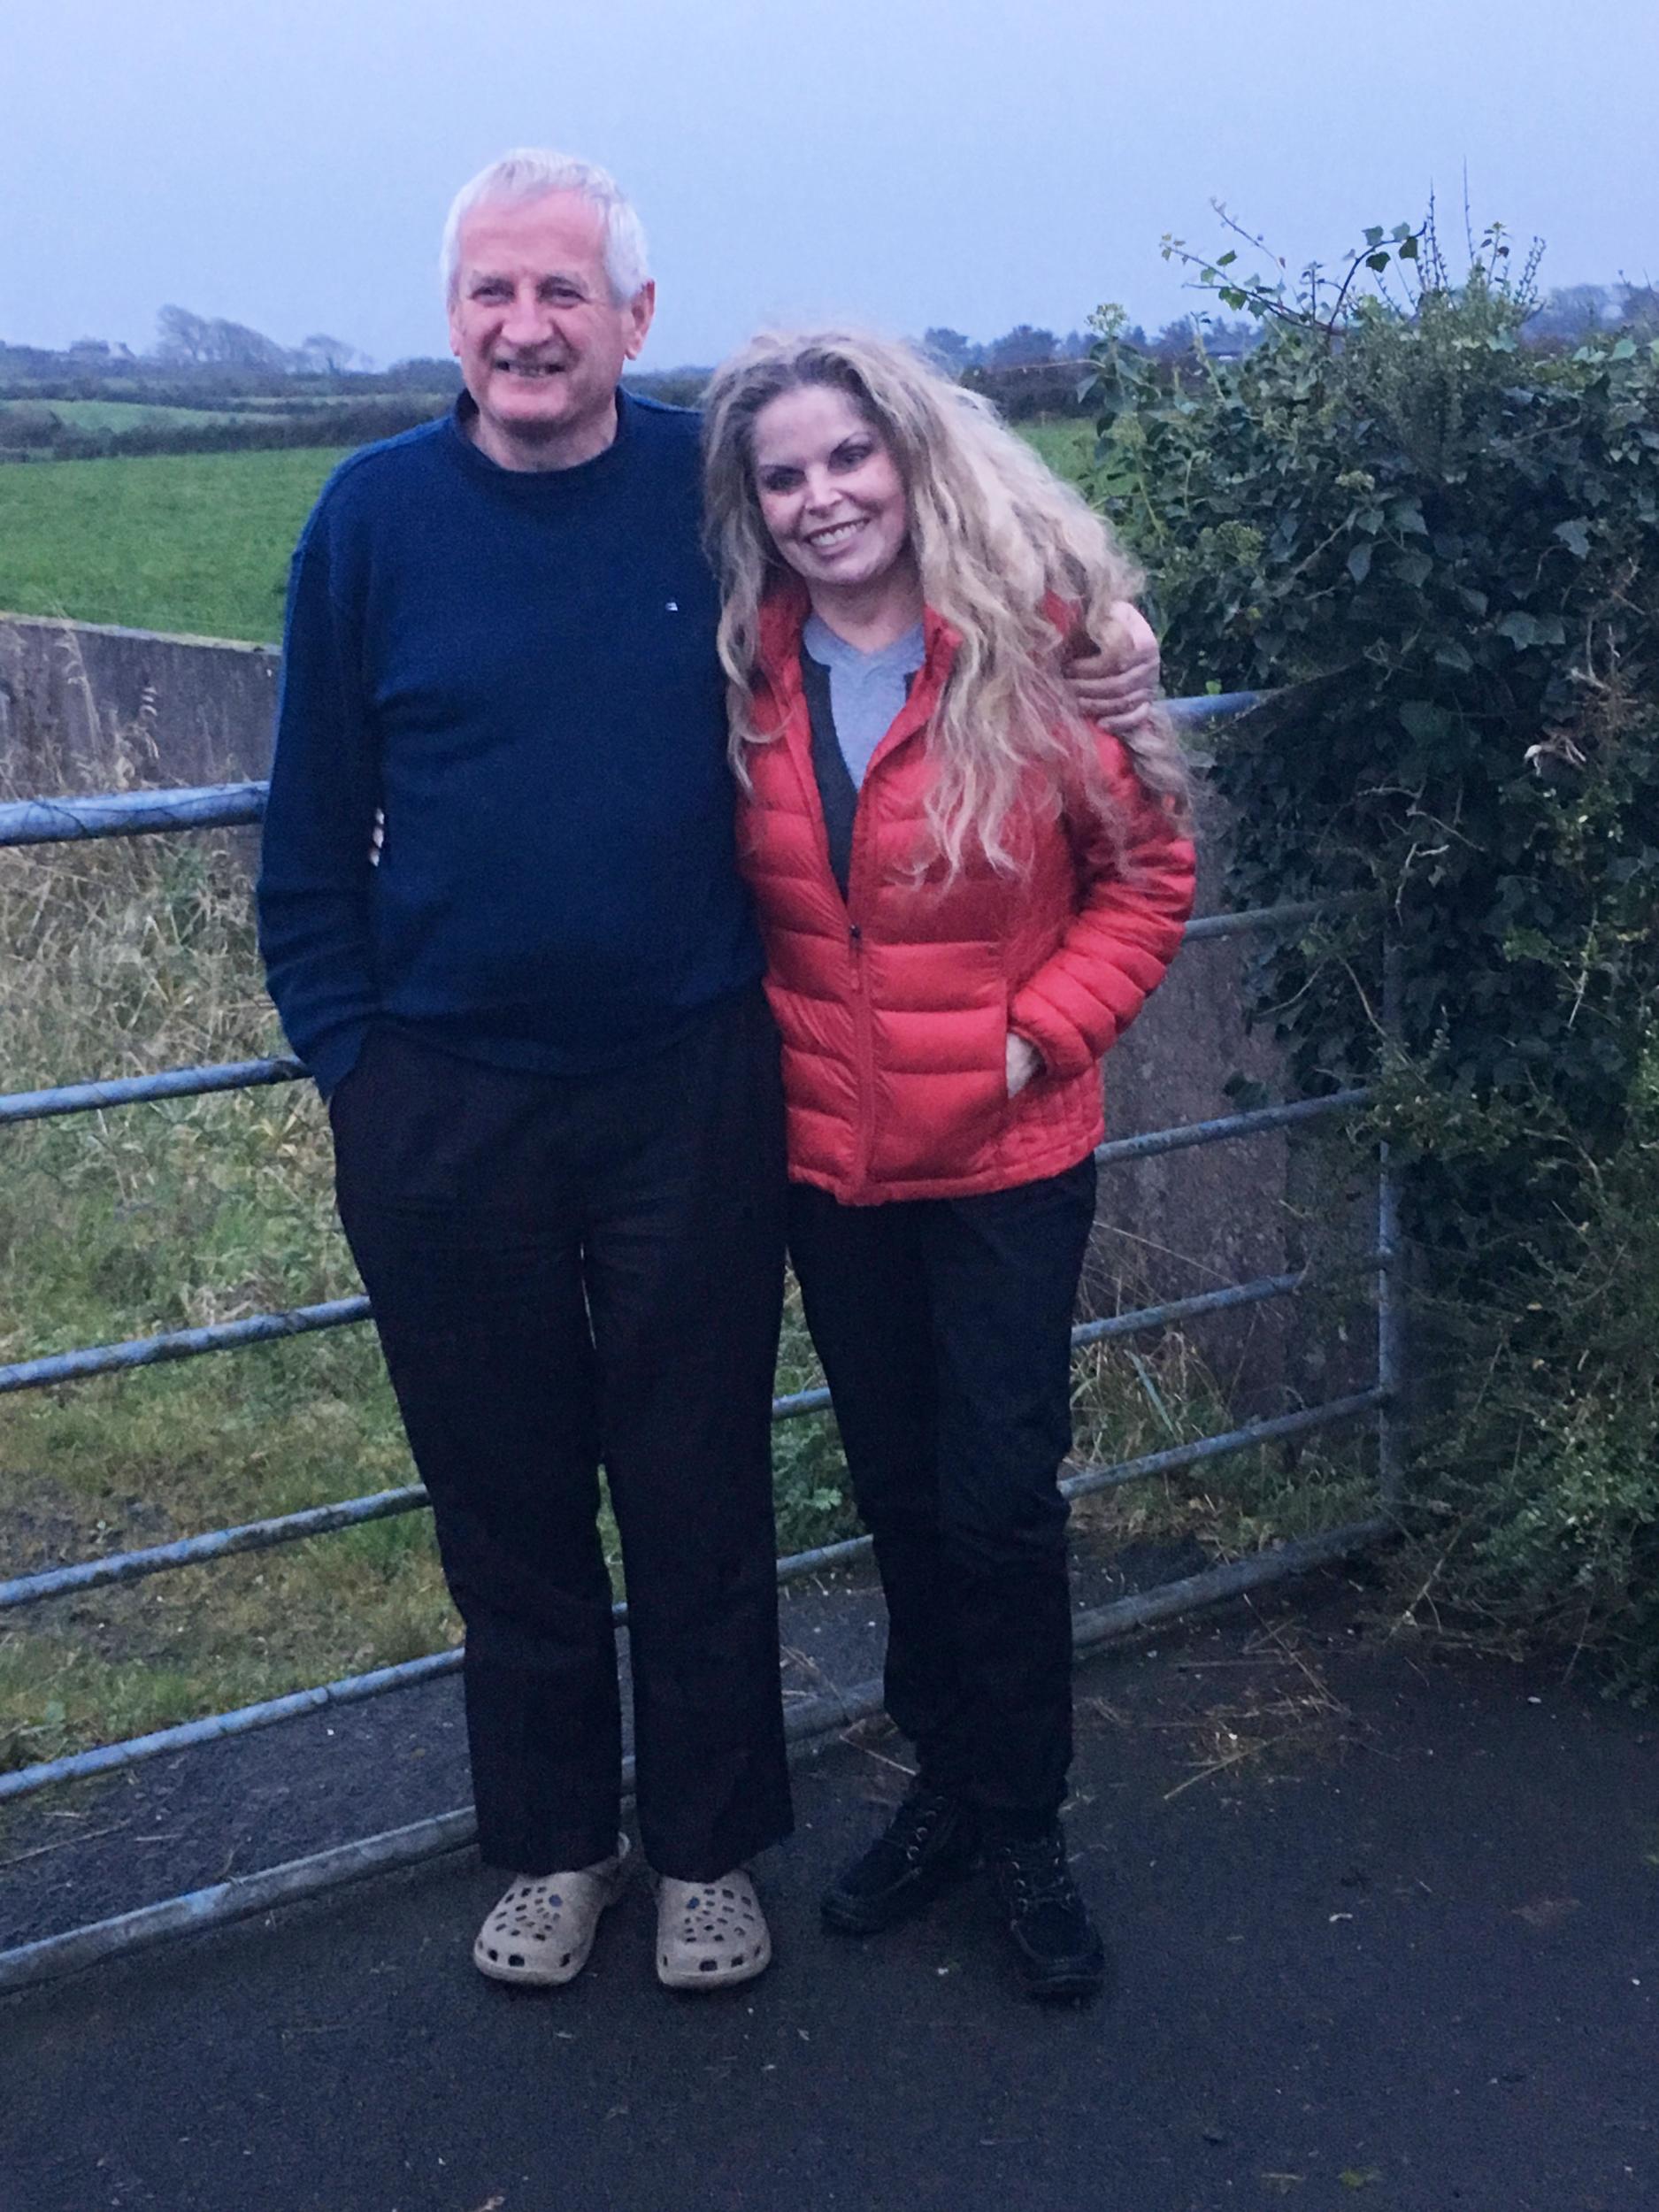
[(1135, 892)]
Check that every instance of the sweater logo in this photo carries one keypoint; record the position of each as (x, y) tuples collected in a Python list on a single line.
[(672, 607)]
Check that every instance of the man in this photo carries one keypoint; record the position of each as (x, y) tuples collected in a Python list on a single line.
[(551, 1077)]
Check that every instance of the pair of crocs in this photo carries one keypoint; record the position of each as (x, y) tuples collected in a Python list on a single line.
[(709, 1934)]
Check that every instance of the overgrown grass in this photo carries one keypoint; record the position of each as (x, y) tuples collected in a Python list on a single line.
[(1538, 1504), (191, 542), (116, 957)]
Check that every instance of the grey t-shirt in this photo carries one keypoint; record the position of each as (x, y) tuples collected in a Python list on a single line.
[(866, 689)]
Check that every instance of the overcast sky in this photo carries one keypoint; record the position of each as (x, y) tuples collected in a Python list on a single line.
[(977, 163)]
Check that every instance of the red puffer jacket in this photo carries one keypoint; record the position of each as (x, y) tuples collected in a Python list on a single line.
[(895, 1003)]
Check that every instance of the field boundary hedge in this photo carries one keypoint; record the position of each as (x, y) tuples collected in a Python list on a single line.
[(1443, 549)]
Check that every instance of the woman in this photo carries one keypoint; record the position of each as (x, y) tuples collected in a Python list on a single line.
[(966, 893)]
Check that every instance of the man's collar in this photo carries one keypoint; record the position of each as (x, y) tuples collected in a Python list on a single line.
[(463, 415)]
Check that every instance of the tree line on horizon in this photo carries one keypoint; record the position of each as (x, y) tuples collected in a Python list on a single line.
[(201, 361), (1566, 316), (191, 348), (197, 344)]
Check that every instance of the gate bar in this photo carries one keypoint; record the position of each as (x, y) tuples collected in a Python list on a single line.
[(1154, 1142), (149, 1351), (74, 816), (128, 1090)]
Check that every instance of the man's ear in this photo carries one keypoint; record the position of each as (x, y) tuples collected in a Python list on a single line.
[(641, 308)]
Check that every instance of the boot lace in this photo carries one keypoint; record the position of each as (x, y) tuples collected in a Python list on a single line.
[(1036, 1871), (916, 1821)]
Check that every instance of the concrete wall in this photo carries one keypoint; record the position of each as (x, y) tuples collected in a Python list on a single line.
[(191, 710), (1196, 1220), (200, 711)]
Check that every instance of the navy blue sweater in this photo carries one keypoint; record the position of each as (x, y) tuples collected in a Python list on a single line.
[(519, 668)]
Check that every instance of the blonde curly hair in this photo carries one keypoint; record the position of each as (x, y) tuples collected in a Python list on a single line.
[(996, 537)]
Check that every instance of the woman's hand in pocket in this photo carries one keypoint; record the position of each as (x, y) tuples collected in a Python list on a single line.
[(1023, 1061)]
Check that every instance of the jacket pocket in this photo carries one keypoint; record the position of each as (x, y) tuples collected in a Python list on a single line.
[(940, 1092)]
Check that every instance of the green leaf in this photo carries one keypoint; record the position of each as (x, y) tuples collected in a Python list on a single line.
[(1575, 535), (1377, 260), (1413, 569), (1359, 562), (1430, 725), (1409, 249), (1520, 628), (1450, 654)]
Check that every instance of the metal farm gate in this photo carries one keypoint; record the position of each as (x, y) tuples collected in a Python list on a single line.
[(130, 814)]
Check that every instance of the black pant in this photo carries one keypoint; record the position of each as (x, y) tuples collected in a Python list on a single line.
[(566, 1270), (944, 1326)]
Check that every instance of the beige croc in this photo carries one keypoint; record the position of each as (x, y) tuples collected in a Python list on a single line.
[(543, 1928), (710, 1934)]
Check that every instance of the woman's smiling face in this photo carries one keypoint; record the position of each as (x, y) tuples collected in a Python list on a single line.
[(830, 491)]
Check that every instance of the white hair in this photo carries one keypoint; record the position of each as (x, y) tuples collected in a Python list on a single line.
[(531, 173)]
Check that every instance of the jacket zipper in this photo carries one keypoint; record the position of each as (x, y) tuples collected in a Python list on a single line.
[(863, 1041), (864, 1025)]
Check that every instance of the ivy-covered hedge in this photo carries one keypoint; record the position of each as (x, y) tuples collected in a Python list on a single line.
[(1443, 549)]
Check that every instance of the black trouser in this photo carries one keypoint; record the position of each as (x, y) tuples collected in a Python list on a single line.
[(944, 1328), (566, 1270)]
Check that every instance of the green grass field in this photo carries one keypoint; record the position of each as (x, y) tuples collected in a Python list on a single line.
[(195, 543), (1067, 447), (198, 543)]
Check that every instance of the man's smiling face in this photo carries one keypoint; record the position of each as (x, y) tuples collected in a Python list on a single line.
[(541, 341)]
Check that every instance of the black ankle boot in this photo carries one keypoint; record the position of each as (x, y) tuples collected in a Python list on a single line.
[(1057, 1947), (930, 1842)]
